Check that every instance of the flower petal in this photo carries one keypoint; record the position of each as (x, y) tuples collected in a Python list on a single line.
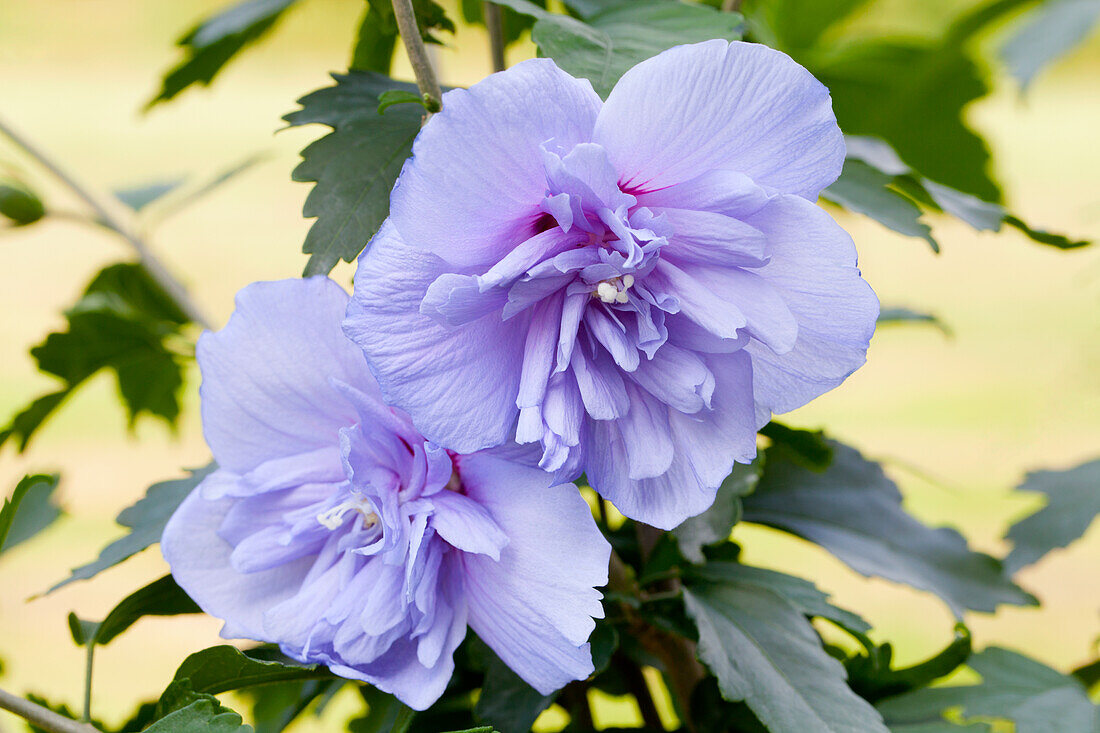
[(200, 563), (535, 607), (473, 187), (466, 525), (439, 375), (266, 377), (738, 106), (814, 268)]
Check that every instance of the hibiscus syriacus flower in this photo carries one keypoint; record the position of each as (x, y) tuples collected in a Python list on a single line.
[(636, 284), (333, 529)]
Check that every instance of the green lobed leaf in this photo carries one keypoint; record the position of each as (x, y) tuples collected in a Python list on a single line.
[(123, 322), (162, 597), (715, 524), (513, 24), (29, 511), (604, 46), (1044, 237), (214, 42), (1036, 698), (1052, 31), (1073, 501), (223, 668), (354, 167), (764, 651), (145, 520), (182, 710), (19, 204), (854, 511), (275, 706), (799, 592)]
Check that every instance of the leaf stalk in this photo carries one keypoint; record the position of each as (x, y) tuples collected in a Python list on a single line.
[(417, 53)]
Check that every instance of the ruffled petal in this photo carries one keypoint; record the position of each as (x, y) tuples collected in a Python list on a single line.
[(738, 106), (814, 269), (200, 562), (458, 384), (474, 185), (535, 607), (266, 377)]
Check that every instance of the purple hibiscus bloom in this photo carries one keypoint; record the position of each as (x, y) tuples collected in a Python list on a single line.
[(636, 284), (335, 530)]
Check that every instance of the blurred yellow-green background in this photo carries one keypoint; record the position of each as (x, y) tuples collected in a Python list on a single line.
[(957, 420)]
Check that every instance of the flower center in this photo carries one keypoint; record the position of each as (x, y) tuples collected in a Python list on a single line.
[(334, 518), (613, 290)]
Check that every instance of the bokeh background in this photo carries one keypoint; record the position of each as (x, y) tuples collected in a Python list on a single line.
[(958, 420)]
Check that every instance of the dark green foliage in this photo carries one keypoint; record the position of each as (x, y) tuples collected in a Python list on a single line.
[(277, 705), (808, 448), (1036, 698), (508, 702), (182, 709), (123, 322), (1044, 237), (1073, 501), (160, 598), (764, 652), (145, 520), (355, 166), (872, 677), (213, 43), (378, 34), (19, 204), (29, 511), (715, 524), (223, 668), (605, 45), (854, 511), (513, 24), (385, 714)]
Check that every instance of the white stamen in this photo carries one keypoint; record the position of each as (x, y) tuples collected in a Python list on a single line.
[(607, 292), (333, 518), (628, 280), (622, 297)]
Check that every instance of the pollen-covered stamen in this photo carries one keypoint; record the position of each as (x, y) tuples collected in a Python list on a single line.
[(334, 518), (614, 289)]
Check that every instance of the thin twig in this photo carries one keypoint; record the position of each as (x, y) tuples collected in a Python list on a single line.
[(639, 688), (731, 6), (42, 717), (418, 54), (495, 25), (148, 260)]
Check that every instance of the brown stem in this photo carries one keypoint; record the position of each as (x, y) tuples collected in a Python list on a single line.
[(731, 6), (42, 717), (495, 25), (575, 697), (635, 682), (418, 54)]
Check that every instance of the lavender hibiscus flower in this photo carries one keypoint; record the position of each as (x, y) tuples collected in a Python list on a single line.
[(636, 285), (333, 529)]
